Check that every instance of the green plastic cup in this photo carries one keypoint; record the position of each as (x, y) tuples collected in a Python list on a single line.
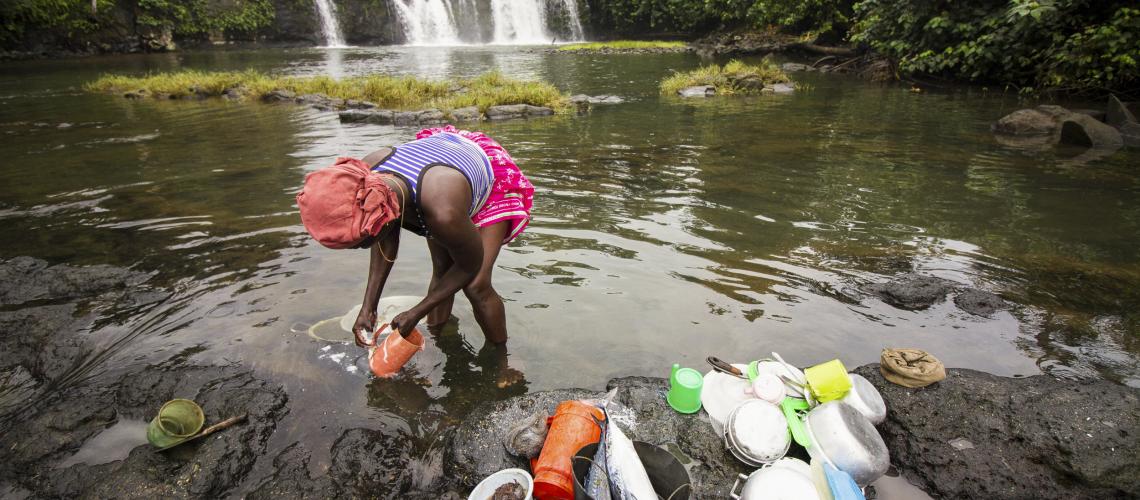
[(177, 421), (685, 389)]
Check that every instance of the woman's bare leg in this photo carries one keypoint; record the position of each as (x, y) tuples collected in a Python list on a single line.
[(440, 263), (486, 303)]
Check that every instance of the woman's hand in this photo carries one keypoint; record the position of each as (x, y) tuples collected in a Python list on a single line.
[(364, 327), (406, 321)]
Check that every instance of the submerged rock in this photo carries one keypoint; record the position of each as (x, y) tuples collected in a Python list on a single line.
[(976, 435), (698, 91), (1085, 131), (509, 111), (979, 302), (912, 291)]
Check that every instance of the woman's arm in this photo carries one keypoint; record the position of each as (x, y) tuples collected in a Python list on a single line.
[(388, 244)]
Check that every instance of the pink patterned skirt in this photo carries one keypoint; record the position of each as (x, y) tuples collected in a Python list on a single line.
[(512, 194)]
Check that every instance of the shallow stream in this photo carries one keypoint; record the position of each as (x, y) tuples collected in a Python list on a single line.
[(664, 231)]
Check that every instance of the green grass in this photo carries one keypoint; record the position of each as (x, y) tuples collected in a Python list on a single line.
[(388, 92), (726, 78), (621, 45)]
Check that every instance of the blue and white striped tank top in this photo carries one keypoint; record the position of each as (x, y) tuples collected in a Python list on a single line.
[(410, 160)]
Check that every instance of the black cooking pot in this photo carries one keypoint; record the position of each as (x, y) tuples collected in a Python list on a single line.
[(670, 479)]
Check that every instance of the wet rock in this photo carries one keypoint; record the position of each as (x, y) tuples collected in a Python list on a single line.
[(793, 67), (320, 101), (1120, 116), (468, 114), (1095, 114), (1085, 131), (1117, 114), (477, 450), (291, 478), (358, 104), (754, 84), (204, 468), (510, 111), (136, 94), (781, 88), (1026, 122), (976, 435), (979, 302), (478, 446), (26, 279), (368, 463), (698, 91), (1130, 133), (279, 96), (377, 116), (233, 94), (912, 291)]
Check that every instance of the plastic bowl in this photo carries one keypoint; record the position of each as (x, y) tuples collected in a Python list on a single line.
[(487, 487)]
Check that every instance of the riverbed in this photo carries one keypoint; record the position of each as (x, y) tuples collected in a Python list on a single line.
[(664, 231)]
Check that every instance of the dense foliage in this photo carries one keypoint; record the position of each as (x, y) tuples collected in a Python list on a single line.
[(70, 17), (1030, 44), (202, 17), (1023, 43)]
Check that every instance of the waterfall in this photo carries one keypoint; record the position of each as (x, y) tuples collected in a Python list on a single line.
[(427, 22), (451, 22), (519, 21), (330, 28), (576, 32)]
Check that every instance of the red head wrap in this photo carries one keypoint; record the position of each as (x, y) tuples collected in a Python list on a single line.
[(343, 204)]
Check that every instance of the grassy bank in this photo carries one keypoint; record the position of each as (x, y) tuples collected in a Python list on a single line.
[(732, 78), (623, 45), (388, 92)]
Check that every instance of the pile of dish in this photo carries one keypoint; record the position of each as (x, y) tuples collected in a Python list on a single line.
[(763, 407)]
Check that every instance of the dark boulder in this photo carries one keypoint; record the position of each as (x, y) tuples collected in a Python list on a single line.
[(912, 291), (511, 111), (1026, 122), (1117, 114), (478, 449), (467, 114), (1086, 131), (978, 302), (28, 279), (976, 435), (279, 96)]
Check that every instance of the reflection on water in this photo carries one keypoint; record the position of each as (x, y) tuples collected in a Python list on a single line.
[(664, 231), (114, 443)]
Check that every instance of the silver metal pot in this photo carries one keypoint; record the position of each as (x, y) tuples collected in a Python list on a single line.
[(866, 399), (844, 438), (756, 432), (787, 478)]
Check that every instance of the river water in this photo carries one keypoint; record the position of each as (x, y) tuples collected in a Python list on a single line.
[(664, 230)]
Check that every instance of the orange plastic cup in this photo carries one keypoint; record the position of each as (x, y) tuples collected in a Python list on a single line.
[(572, 427), (387, 357)]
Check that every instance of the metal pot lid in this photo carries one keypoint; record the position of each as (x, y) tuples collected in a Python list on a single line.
[(757, 432), (866, 399), (848, 441), (782, 483)]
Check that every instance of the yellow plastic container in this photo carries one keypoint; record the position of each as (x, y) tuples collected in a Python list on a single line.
[(828, 381)]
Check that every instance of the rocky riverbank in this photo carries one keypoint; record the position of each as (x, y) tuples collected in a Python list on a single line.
[(973, 435)]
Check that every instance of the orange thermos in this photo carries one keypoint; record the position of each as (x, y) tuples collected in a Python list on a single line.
[(572, 427)]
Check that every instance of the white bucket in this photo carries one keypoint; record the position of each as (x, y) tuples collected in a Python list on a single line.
[(487, 488)]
